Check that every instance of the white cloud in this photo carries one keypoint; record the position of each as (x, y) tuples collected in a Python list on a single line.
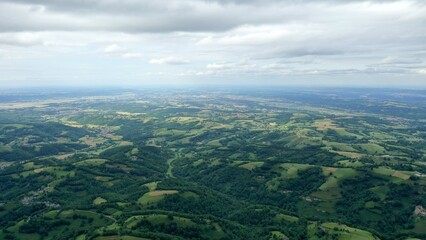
[(256, 38), (117, 50), (265, 34), (171, 60), (114, 48), (132, 55), (219, 66)]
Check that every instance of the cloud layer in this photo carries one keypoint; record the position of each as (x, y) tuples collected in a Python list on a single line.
[(326, 42)]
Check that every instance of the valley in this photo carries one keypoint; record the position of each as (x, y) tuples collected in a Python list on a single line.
[(214, 164)]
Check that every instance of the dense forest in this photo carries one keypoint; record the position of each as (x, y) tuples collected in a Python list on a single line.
[(214, 164)]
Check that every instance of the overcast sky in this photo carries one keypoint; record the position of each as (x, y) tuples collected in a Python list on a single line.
[(238, 42)]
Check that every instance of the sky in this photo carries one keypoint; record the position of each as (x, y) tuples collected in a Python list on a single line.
[(226, 42)]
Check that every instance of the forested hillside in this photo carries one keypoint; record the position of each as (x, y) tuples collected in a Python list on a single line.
[(214, 164)]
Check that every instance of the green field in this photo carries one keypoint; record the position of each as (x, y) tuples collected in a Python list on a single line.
[(154, 197), (342, 232), (220, 164)]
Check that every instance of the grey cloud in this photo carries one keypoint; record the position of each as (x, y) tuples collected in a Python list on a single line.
[(368, 70), (397, 64), (277, 37), (132, 5), (307, 51), (128, 16), (136, 16), (22, 39), (342, 71), (399, 61), (151, 19)]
